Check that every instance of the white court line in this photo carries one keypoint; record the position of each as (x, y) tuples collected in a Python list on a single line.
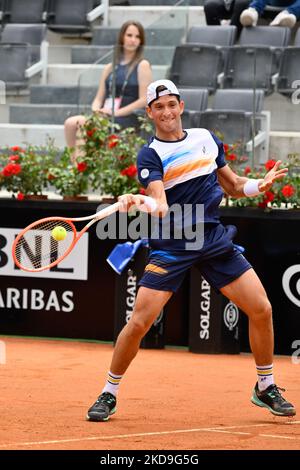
[(256, 435), (147, 434), (279, 437), (229, 432)]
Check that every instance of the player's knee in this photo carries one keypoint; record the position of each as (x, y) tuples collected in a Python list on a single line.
[(264, 310), (138, 326), (140, 323)]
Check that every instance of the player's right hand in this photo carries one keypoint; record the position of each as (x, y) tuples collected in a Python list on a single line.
[(126, 202)]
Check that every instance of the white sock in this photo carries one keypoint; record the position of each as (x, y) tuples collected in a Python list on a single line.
[(112, 383), (264, 376)]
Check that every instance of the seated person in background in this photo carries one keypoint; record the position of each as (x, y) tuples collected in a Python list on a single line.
[(287, 17), (217, 10), (132, 76)]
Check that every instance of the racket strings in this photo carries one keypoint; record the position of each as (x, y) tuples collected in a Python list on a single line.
[(37, 248)]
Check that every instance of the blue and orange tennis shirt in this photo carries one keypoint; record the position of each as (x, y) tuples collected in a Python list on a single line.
[(187, 168)]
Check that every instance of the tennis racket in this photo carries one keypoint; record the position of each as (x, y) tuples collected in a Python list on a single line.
[(36, 248)]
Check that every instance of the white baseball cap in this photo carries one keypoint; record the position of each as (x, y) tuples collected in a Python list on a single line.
[(153, 94)]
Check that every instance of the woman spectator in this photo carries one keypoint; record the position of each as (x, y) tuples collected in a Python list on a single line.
[(132, 76)]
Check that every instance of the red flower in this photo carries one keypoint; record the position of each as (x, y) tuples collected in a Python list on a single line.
[(50, 177), (269, 164), (231, 157), (20, 196), (113, 141), (269, 196), (247, 170), (11, 169), (15, 168), (288, 190), (130, 171), (81, 167), (262, 204), (14, 158), (142, 191), (91, 132), (16, 148), (226, 147)]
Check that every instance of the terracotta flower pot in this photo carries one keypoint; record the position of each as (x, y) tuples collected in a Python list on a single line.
[(108, 200), (35, 197), (75, 198)]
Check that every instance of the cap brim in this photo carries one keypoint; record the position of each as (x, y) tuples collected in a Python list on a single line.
[(168, 94)]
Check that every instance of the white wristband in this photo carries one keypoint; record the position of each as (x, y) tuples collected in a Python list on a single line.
[(150, 203), (251, 188)]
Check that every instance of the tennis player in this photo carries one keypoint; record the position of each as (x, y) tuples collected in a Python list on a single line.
[(187, 167)]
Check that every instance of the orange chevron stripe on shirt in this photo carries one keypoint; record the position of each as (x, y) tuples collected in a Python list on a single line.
[(186, 168)]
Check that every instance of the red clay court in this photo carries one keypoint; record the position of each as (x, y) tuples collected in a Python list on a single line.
[(169, 400)]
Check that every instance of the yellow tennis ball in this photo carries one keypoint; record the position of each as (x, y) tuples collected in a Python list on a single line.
[(59, 233)]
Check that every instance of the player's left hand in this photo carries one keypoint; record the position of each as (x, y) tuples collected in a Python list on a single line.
[(273, 175)]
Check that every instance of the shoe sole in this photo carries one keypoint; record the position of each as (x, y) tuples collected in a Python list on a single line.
[(247, 20), (94, 418), (288, 23), (256, 401)]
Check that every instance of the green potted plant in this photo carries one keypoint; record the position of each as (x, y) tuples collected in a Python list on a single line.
[(111, 156), (284, 193), (24, 170), (71, 180)]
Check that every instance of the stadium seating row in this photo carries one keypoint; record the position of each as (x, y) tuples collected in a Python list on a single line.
[(208, 59), (155, 2), (231, 114), (71, 16), (255, 62)]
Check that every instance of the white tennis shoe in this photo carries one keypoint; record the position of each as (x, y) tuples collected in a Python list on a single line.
[(284, 18), (249, 17)]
